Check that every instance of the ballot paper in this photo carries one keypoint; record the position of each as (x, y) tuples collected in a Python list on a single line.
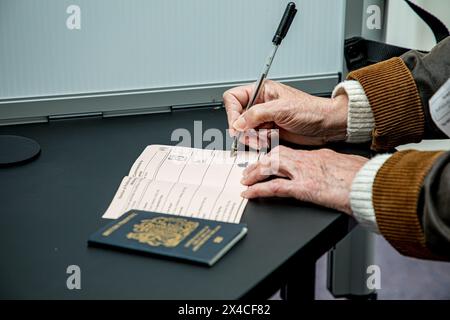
[(185, 182)]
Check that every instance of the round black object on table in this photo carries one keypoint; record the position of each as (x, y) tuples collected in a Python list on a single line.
[(17, 150)]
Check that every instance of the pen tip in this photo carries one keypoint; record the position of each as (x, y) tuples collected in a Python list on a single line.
[(233, 147)]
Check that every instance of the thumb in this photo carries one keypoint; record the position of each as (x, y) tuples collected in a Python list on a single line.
[(256, 115)]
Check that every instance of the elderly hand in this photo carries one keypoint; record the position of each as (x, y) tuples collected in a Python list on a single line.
[(300, 117), (322, 176)]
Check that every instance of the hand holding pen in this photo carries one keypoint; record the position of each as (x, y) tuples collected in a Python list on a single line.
[(281, 32), (299, 117)]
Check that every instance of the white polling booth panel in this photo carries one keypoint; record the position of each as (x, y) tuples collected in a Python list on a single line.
[(116, 57)]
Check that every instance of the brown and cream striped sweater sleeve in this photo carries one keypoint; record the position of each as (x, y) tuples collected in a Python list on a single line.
[(398, 91), (410, 195), (405, 197), (411, 203), (396, 105)]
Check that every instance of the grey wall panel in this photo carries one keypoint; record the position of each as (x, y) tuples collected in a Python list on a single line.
[(156, 44)]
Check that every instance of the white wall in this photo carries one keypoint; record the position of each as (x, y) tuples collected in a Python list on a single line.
[(405, 28), (149, 45)]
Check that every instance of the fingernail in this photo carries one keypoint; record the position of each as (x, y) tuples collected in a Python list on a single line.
[(239, 124), (243, 194)]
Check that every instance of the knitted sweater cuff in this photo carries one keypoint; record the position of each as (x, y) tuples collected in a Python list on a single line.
[(361, 192), (395, 102), (360, 121)]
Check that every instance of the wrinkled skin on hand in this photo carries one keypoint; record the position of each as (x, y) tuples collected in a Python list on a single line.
[(323, 177), (300, 117)]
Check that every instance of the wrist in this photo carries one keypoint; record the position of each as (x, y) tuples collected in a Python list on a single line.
[(336, 118)]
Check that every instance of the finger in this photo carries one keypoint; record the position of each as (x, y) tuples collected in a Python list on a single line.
[(252, 141), (256, 139), (260, 139), (266, 167), (273, 188), (247, 139), (266, 159), (273, 138), (257, 115), (259, 174), (234, 101), (263, 160)]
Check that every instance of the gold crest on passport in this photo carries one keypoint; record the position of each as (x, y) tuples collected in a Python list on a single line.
[(162, 231), (181, 238)]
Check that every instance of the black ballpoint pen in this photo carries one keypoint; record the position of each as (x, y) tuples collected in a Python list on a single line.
[(282, 30)]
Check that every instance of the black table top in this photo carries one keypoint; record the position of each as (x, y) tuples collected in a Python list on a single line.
[(50, 206)]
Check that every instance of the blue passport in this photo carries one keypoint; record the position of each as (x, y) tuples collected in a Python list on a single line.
[(191, 239)]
